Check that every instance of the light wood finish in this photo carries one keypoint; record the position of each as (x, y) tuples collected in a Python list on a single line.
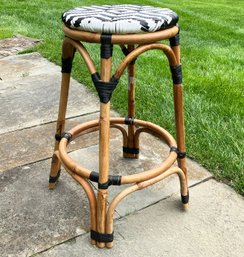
[(101, 217), (179, 116), (104, 135), (131, 39), (67, 52), (141, 49), (131, 70)]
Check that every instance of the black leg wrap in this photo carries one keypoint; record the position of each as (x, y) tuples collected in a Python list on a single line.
[(54, 179), (180, 155), (185, 198), (104, 89), (176, 72), (175, 41), (126, 52), (66, 135), (94, 176), (67, 65), (106, 46), (112, 180), (104, 238), (129, 120), (130, 150)]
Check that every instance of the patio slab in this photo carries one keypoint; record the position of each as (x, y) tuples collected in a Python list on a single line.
[(30, 93), (213, 226)]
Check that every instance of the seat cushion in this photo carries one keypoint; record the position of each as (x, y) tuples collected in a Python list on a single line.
[(119, 19)]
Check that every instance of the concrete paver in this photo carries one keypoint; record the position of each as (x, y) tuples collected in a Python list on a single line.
[(30, 96), (32, 217), (149, 158), (213, 226)]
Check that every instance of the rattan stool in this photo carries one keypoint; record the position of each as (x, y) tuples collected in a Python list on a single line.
[(137, 29)]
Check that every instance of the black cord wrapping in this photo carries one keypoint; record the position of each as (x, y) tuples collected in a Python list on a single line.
[(54, 179), (104, 89), (126, 52), (112, 180), (66, 135), (185, 198), (130, 150), (175, 41), (176, 72), (104, 238), (129, 120), (106, 46), (180, 155)]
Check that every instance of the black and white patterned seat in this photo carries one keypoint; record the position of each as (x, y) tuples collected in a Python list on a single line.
[(119, 19)]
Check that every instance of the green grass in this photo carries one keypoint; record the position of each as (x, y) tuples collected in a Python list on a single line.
[(212, 39)]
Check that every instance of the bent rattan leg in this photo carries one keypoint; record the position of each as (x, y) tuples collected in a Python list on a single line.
[(139, 186), (67, 58)]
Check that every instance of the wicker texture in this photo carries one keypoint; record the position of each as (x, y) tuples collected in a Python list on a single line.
[(119, 19)]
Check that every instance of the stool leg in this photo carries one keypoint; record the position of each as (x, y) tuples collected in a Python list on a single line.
[(129, 150), (104, 134), (179, 117), (68, 53)]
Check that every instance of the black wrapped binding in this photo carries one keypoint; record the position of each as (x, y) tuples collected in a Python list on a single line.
[(66, 135), (176, 72), (175, 41), (67, 64), (54, 179), (130, 150), (103, 238), (112, 180), (106, 46), (104, 89), (180, 155), (129, 120), (185, 198), (94, 176), (126, 52)]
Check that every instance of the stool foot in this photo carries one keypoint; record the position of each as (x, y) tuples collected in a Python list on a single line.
[(185, 206), (185, 201), (55, 172), (130, 152), (53, 181)]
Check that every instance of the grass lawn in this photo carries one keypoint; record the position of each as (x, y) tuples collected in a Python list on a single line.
[(212, 39)]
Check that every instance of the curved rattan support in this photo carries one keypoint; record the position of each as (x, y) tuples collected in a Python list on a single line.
[(123, 131), (92, 200), (141, 49), (135, 178), (139, 186), (83, 52), (122, 39), (90, 195)]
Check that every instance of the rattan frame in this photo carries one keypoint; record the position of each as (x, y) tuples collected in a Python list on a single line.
[(101, 217)]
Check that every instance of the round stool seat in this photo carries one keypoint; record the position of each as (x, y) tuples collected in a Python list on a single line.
[(120, 19)]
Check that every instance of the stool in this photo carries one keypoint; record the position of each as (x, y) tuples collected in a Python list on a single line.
[(136, 29)]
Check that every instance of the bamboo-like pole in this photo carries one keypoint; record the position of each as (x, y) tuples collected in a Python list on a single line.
[(179, 120), (179, 116), (104, 135), (67, 52), (131, 104)]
